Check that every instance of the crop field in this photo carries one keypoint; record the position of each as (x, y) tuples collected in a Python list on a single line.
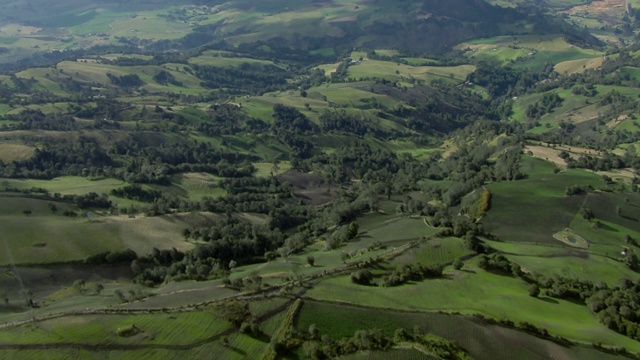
[(400, 72), (526, 51), (398, 353), (416, 102), (220, 59), (578, 66), (195, 186), (544, 193), (575, 108), (178, 329), (435, 252), (15, 152), (460, 291), (45, 237), (461, 329), (608, 240), (66, 185), (97, 72)]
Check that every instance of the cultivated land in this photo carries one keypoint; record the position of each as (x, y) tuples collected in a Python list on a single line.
[(299, 179)]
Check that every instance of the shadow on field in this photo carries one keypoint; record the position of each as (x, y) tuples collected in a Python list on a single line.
[(238, 351), (468, 271), (608, 228), (549, 300)]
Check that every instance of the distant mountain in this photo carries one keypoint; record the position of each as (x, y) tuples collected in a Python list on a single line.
[(415, 26)]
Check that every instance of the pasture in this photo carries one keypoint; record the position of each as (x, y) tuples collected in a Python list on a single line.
[(42, 236), (15, 152), (481, 340), (459, 292), (399, 72), (175, 329), (529, 51), (543, 194)]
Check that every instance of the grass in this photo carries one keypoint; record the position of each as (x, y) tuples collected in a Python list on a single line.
[(66, 185), (266, 169), (569, 237), (397, 230), (15, 152), (194, 186), (399, 72), (502, 297), (530, 51), (216, 58), (174, 329), (435, 252), (44, 237), (543, 194), (405, 354), (480, 340)]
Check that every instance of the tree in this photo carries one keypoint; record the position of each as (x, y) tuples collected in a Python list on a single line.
[(534, 290), (78, 285), (458, 264), (314, 332), (120, 296), (186, 233), (97, 288), (235, 312), (53, 207), (353, 230), (225, 341), (311, 260), (586, 213)]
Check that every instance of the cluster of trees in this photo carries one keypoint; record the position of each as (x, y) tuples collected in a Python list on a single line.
[(543, 106), (606, 161), (136, 192), (126, 81), (340, 122), (499, 264), (111, 257), (415, 272), (251, 78), (164, 77), (57, 158), (230, 242), (618, 308), (316, 345)]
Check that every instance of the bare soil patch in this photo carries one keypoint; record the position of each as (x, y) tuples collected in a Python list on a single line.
[(543, 151), (312, 189)]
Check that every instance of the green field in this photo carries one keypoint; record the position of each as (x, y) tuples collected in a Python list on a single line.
[(45, 237), (543, 192), (400, 72), (178, 329), (527, 51), (482, 341), (423, 106), (460, 291)]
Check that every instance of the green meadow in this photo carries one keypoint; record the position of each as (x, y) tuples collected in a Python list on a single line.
[(501, 297)]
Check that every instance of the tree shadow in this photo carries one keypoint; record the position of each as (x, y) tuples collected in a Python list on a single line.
[(549, 300), (238, 350), (608, 228), (468, 271)]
